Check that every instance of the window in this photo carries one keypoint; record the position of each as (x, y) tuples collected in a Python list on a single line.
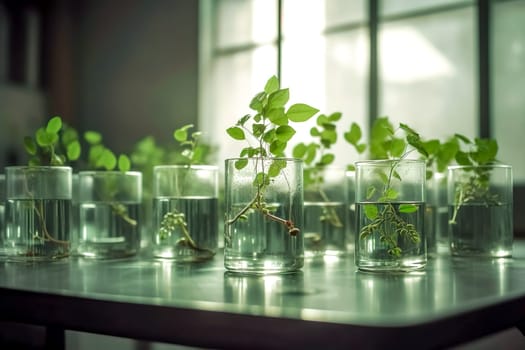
[(428, 65)]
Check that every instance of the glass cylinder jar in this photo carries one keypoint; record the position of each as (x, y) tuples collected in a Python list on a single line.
[(480, 210), (185, 212), (325, 211), (109, 214), (37, 213), (390, 209), (264, 215)]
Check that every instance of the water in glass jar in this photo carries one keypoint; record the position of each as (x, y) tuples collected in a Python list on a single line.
[(373, 253), (482, 230), (325, 225), (192, 232), (108, 229), (256, 244), (37, 229)]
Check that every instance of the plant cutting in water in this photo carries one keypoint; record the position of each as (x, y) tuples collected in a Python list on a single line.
[(267, 132), (481, 152), (52, 145), (101, 157), (191, 152), (385, 219), (316, 158)]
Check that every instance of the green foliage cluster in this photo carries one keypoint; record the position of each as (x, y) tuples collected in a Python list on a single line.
[(384, 218), (268, 132), (478, 154), (59, 144), (53, 144), (101, 157)]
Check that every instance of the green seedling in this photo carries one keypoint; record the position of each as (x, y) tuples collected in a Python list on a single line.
[(269, 130)]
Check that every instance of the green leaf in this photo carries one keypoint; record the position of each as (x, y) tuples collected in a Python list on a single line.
[(328, 137), (236, 133), (407, 208), (462, 158), (257, 102), (277, 147), (181, 134), (354, 135), (258, 129), (241, 163), (278, 99), (284, 133), (391, 194), (300, 112), (54, 125), (261, 179), (322, 120), (315, 132), (382, 176), (124, 164), (73, 150), (310, 153), (336, 116), (272, 85), (371, 211), (69, 135), (277, 116), (327, 159), (397, 147), (92, 137), (463, 138), (269, 136), (45, 138), (407, 129), (107, 160), (299, 150), (276, 167), (30, 145), (370, 191)]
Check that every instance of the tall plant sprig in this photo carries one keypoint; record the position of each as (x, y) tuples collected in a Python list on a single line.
[(316, 156), (191, 152), (54, 144), (267, 132), (478, 153), (387, 221), (100, 157)]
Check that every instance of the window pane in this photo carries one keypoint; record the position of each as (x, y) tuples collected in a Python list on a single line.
[(235, 80), (508, 70), (346, 87), (395, 7), (428, 71), (240, 22), (343, 11)]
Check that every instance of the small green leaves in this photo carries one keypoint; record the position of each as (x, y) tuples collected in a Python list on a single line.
[(73, 150), (236, 133), (284, 133), (272, 85), (30, 145), (278, 99), (92, 137), (370, 191), (371, 211), (300, 112), (276, 167), (181, 134), (241, 163), (407, 208), (54, 125), (124, 163)]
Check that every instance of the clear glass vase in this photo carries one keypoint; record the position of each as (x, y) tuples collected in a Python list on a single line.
[(480, 210), (37, 213), (185, 212), (108, 214), (390, 210), (264, 215), (325, 212)]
